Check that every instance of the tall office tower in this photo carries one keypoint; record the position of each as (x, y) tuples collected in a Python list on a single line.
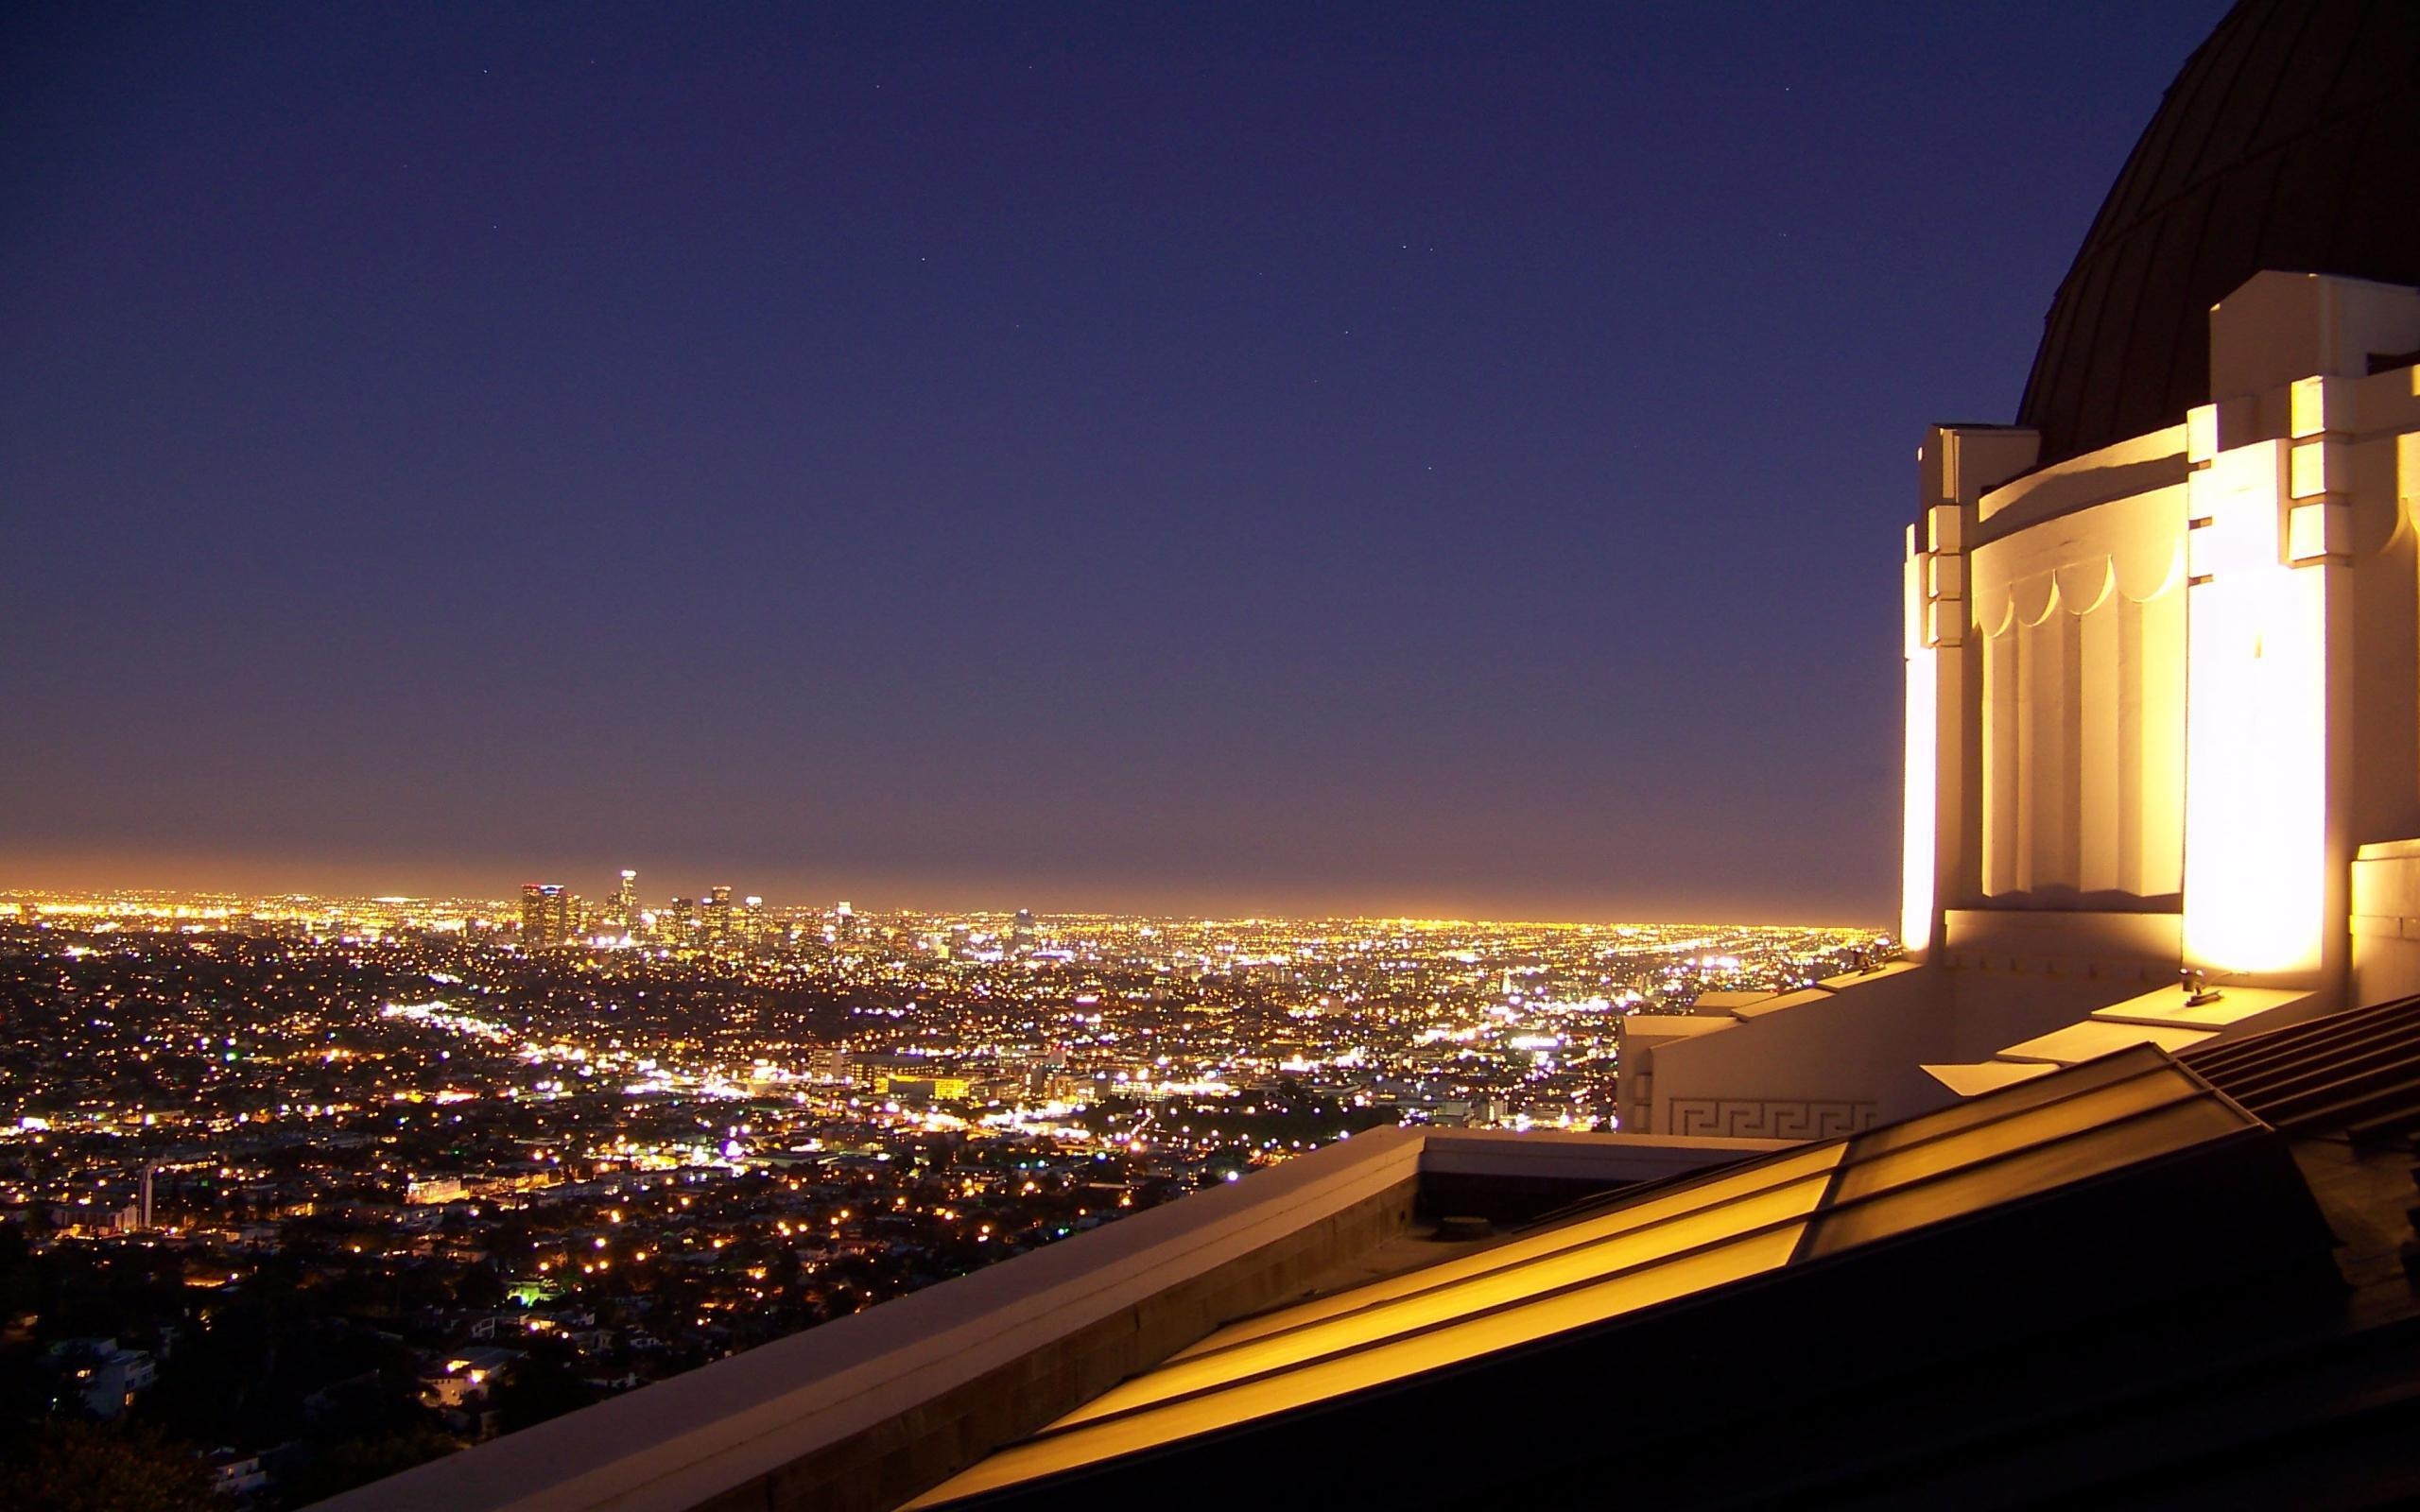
[(626, 902), (548, 914), (843, 922), (718, 912), (751, 920), (1021, 938), (680, 924)]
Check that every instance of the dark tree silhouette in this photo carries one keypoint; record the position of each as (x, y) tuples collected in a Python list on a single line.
[(543, 1384), (68, 1466)]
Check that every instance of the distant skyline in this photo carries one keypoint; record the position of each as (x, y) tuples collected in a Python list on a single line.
[(273, 884), (1426, 460)]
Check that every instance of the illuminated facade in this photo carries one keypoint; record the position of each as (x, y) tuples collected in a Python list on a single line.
[(2163, 696), (549, 914)]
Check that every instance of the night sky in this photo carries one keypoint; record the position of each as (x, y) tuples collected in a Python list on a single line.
[(1288, 459)]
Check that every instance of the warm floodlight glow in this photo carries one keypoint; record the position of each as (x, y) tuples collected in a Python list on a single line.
[(2255, 739), (1924, 734)]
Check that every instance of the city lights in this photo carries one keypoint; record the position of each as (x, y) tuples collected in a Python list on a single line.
[(616, 1144)]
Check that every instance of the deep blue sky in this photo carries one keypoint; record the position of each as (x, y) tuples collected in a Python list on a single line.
[(1294, 458)]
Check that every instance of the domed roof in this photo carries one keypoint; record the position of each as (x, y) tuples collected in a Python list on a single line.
[(2291, 141)]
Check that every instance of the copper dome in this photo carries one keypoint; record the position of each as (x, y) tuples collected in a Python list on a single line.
[(2290, 141)]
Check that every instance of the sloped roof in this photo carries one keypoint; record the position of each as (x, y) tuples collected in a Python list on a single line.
[(2355, 1073), (2126, 1159)]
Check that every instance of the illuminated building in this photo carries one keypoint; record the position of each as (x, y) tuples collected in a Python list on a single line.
[(2028, 1215), (2162, 700), (626, 902), (717, 926), (831, 1063), (1021, 933), (549, 914), (923, 1088)]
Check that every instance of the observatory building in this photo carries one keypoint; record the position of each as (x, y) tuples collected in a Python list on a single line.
[(2099, 1191), (2163, 643)]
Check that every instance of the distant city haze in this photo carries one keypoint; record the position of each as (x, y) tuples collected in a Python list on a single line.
[(1425, 460), (492, 894)]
